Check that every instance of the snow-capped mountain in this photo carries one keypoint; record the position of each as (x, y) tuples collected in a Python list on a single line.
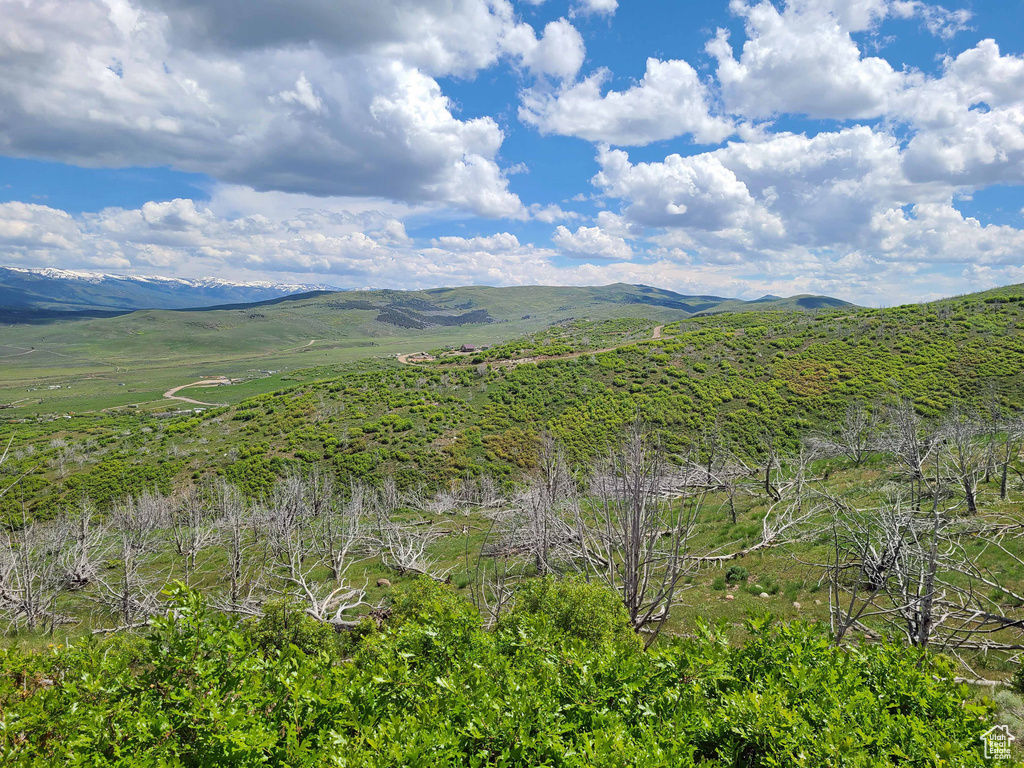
[(73, 290)]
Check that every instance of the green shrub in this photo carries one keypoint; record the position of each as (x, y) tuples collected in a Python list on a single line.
[(573, 608), (284, 623), (204, 698), (428, 602), (433, 623), (736, 573)]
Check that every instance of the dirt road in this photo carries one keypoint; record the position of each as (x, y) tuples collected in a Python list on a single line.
[(171, 394), (655, 335), (24, 350)]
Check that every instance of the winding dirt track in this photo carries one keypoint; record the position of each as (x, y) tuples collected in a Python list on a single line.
[(655, 334), (171, 394), (24, 350)]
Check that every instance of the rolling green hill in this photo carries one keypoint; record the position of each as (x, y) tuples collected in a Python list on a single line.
[(134, 358), (798, 303), (346, 401)]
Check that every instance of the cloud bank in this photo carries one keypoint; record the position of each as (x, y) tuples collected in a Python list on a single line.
[(798, 155)]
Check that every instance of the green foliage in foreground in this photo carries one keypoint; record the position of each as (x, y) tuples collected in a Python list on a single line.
[(551, 685)]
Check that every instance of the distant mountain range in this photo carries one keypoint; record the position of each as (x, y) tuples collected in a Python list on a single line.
[(30, 295), (536, 305), (63, 290)]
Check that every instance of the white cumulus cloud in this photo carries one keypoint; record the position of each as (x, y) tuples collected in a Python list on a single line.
[(314, 98), (603, 7), (669, 101), (803, 60), (592, 243)]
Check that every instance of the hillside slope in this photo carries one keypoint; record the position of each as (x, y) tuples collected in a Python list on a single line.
[(751, 374), (152, 351)]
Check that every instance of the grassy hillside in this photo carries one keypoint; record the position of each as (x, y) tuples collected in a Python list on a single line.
[(749, 373), (134, 358), (799, 303)]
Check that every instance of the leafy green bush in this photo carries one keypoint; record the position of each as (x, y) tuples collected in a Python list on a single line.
[(736, 573), (428, 602), (284, 624), (432, 623), (574, 609), (205, 696)]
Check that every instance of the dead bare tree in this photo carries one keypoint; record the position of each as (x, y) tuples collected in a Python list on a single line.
[(404, 549), (5, 489), (296, 575), (285, 517), (710, 451), (911, 583), (770, 461), (913, 572), (82, 536), (321, 538), (862, 546), (487, 493), (492, 568), (30, 575), (338, 529), (296, 506), (789, 518), (192, 529), (137, 524), (631, 539), (327, 603), (246, 561), (792, 517), (1003, 535), (912, 445), (446, 501), (734, 470), (993, 418), (383, 503), (540, 527), (724, 473), (533, 525), (319, 492), (963, 453), (856, 437), (1007, 447), (942, 583)]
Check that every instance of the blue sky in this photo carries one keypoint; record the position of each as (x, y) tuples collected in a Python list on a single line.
[(868, 149)]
